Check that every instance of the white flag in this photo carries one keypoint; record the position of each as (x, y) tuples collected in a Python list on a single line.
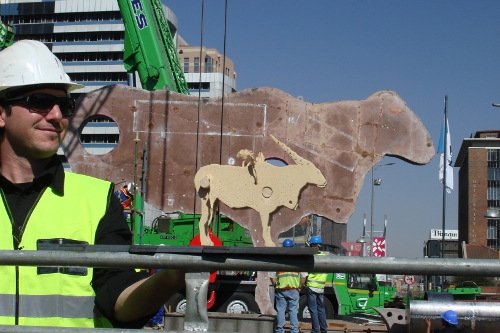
[(441, 150)]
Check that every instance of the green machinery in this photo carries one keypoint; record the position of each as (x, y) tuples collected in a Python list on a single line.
[(350, 294), (461, 293), (360, 293), (149, 48), (179, 229), (7, 34)]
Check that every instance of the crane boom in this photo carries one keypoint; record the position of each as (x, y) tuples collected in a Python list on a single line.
[(149, 48), (7, 33)]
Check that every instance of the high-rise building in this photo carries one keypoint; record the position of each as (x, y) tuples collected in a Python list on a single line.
[(479, 189), (88, 37)]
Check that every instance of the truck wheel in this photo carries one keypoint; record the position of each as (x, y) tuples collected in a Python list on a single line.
[(239, 303), (304, 314), (328, 308), (177, 303)]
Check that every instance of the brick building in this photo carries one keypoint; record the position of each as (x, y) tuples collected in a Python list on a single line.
[(479, 189)]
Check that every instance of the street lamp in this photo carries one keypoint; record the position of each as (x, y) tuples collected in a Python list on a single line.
[(375, 182), (496, 104), (492, 213), (362, 241)]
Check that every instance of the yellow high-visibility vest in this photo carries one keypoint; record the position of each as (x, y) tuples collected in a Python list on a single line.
[(287, 280), (317, 280), (54, 299)]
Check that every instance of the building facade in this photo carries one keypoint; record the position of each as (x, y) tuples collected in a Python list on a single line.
[(479, 189), (206, 72)]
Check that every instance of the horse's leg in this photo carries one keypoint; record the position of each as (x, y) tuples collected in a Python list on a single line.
[(266, 229), (206, 215)]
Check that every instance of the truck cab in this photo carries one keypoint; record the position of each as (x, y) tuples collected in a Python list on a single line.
[(347, 294)]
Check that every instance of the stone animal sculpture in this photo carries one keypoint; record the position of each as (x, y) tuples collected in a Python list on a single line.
[(343, 139), (237, 187)]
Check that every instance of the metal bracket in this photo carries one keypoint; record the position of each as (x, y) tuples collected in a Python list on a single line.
[(196, 316)]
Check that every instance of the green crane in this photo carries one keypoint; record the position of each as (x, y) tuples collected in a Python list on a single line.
[(7, 34), (149, 48)]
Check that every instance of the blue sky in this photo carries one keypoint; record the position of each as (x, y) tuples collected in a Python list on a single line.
[(328, 50)]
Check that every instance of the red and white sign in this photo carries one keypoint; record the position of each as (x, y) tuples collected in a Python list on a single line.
[(409, 279), (379, 246)]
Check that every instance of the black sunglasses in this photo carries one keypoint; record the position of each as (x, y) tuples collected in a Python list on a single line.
[(43, 103)]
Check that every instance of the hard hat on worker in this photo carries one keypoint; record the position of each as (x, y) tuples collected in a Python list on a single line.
[(450, 317), (288, 243), (315, 240), (30, 65)]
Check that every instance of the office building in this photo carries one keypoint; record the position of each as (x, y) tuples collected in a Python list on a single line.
[(479, 190), (433, 247)]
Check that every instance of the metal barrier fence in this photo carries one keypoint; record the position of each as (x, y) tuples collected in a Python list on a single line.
[(206, 259), (196, 260)]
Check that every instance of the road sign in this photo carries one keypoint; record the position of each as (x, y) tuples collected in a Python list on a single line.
[(409, 279)]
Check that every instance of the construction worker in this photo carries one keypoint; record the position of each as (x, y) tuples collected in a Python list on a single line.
[(43, 203), (286, 295), (315, 290), (449, 321)]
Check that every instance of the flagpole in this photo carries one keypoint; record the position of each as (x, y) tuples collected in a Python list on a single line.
[(445, 164)]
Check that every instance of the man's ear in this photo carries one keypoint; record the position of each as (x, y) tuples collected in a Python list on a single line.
[(3, 115)]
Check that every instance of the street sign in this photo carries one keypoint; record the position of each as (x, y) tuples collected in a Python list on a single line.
[(409, 279), (378, 247)]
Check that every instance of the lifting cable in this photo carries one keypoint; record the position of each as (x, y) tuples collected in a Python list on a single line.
[(223, 85), (222, 102), (199, 98), (198, 119)]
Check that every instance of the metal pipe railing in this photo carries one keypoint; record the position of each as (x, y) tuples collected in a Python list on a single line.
[(272, 261)]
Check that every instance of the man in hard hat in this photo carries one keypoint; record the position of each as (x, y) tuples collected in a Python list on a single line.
[(449, 321), (315, 290), (286, 295), (43, 203)]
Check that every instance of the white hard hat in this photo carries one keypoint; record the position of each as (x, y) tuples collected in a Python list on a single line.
[(30, 63)]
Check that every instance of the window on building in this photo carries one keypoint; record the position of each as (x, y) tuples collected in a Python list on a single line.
[(196, 85), (493, 155), (196, 65), (227, 71), (208, 65), (186, 65), (492, 234), (492, 229), (493, 172)]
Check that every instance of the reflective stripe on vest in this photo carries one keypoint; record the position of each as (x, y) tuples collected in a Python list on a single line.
[(317, 280), (287, 280), (49, 306), (54, 299)]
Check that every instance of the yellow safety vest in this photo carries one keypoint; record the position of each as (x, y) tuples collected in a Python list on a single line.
[(317, 280), (287, 280), (54, 299)]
